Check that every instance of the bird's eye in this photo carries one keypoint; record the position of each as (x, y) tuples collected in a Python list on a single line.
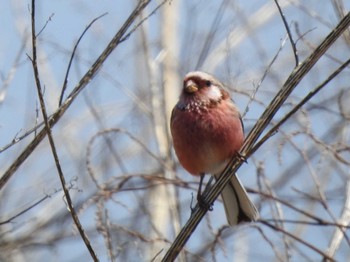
[(208, 83)]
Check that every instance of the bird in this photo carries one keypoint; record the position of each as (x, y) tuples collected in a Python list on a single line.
[(207, 131)]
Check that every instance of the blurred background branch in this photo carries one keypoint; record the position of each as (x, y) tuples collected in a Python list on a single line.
[(112, 130)]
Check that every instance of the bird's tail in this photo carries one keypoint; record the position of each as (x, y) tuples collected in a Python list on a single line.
[(238, 207)]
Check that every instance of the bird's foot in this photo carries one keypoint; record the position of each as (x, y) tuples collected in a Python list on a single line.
[(204, 204), (201, 203)]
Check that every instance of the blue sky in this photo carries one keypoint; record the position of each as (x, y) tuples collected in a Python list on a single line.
[(119, 97)]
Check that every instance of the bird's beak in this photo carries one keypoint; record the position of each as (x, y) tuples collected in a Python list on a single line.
[(191, 88)]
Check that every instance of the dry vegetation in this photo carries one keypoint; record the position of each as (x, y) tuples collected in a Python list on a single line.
[(87, 170)]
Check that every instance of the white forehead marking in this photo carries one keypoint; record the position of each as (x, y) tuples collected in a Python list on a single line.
[(198, 74)]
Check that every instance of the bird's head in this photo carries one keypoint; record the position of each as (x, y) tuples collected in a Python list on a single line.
[(200, 88)]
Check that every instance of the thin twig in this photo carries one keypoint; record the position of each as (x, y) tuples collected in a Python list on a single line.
[(323, 254), (275, 128), (64, 87), (19, 138), (47, 21), (288, 204), (275, 249), (276, 210), (210, 39), (103, 226), (267, 70), (309, 223), (52, 143), (127, 35), (24, 211), (295, 51)]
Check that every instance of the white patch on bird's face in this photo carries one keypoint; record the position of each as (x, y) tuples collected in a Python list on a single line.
[(214, 93)]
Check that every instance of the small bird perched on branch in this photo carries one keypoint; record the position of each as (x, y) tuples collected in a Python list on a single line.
[(207, 131)]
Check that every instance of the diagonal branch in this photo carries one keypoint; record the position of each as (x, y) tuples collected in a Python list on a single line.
[(293, 80), (275, 128), (119, 36), (300, 240)]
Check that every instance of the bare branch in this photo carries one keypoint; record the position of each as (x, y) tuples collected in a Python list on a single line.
[(295, 77), (72, 57), (273, 130), (302, 241), (209, 40), (80, 86), (52, 143), (256, 88), (25, 210), (295, 51), (47, 21)]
